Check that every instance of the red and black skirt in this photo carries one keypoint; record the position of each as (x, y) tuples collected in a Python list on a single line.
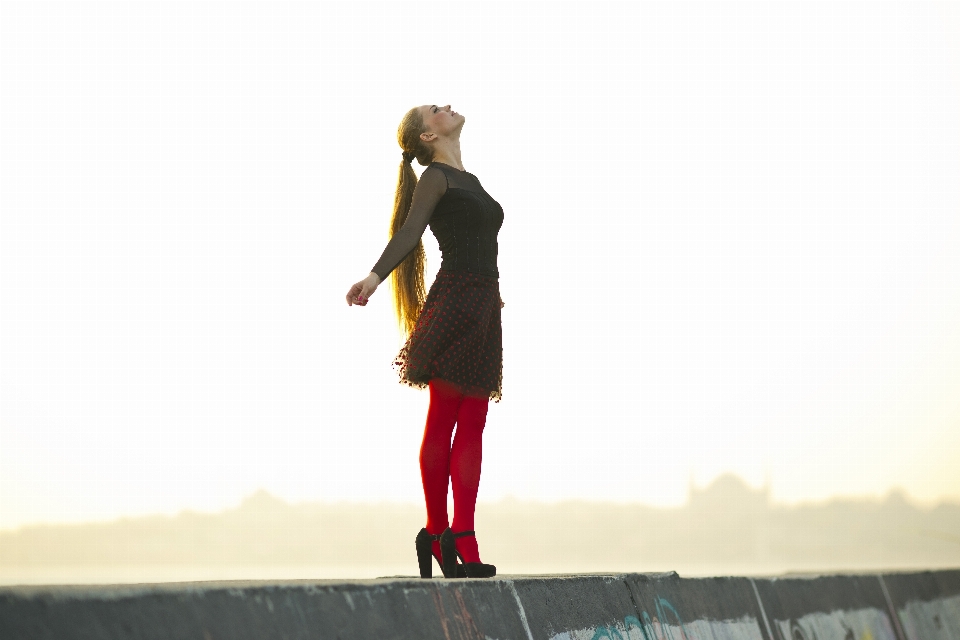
[(458, 336)]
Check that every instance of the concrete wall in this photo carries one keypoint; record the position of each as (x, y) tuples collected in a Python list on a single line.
[(905, 606)]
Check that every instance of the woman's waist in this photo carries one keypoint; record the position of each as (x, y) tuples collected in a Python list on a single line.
[(470, 262), (465, 272)]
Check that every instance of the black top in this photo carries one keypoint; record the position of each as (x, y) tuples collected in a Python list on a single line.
[(463, 217)]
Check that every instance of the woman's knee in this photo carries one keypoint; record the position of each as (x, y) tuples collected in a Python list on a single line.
[(473, 410)]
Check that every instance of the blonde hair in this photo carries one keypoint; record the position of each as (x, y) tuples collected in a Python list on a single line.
[(409, 292)]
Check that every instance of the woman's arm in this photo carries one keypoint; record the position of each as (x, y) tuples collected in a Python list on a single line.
[(430, 188)]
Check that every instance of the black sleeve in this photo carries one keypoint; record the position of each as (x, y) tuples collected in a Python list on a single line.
[(430, 188)]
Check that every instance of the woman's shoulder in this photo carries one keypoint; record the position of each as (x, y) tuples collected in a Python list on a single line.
[(438, 169), (435, 168), (455, 177), (433, 179), (446, 168)]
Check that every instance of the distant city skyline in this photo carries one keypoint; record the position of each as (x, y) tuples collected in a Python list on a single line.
[(725, 528), (724, 486)]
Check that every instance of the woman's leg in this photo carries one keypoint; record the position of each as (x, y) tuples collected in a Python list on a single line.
[(435, 454), (465, 458)]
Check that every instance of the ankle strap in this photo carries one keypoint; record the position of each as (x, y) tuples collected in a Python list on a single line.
[(464, 533)]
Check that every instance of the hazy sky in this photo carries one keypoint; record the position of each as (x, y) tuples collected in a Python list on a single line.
[(731, 243)]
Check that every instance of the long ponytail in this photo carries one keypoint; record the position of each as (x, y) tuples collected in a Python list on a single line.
[(409, 292)]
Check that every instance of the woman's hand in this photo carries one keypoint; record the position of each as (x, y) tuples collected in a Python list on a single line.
[(360, 292)]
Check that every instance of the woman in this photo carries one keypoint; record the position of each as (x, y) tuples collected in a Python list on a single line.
[(454, 340)]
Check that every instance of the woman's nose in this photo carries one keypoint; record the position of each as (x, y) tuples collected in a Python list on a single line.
[(448, 108)]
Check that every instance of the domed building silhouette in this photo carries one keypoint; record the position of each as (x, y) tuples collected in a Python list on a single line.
[(729, 494)]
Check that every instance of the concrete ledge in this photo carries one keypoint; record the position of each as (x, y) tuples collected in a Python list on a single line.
[(894, 606)]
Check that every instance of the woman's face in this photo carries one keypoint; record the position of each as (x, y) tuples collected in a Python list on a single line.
[(443, 121)]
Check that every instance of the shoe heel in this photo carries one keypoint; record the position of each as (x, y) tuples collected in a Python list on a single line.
[(425, 553), (448, 551)]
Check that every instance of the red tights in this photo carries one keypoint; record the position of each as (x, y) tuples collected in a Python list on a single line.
[(440, 462)]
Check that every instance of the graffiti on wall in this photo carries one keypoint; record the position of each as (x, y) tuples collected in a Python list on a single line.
[(860, 624), (666, 623)]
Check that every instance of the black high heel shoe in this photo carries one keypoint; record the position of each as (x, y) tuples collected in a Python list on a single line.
[(448, 550), (425, 557)]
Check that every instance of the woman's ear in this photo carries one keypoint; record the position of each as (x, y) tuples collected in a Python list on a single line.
[(428, 136)]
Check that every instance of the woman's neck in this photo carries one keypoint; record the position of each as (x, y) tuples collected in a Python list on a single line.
[(449, 153)]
